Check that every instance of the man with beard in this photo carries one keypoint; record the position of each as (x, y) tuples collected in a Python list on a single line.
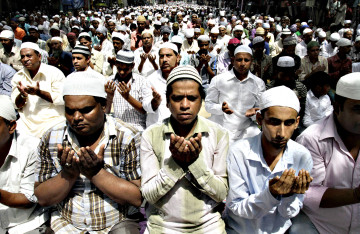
[(154, 101), (10, 53), (262, 64), (301, 48), (268, 173), (136, 40)]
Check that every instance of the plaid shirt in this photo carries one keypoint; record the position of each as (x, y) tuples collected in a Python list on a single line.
[(122, 109), (86, 207)]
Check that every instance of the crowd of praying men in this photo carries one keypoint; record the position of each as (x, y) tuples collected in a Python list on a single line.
[(179, 118)]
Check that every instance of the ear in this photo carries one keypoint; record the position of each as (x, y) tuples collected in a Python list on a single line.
[(297, 122), (12, 126), (259, 118), (178, 59)]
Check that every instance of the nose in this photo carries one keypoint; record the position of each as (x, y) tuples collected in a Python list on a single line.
[(77, 116), (280, 133), (185, 104)]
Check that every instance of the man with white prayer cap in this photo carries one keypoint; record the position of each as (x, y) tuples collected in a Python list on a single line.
[(268, 173), (9, 53), (233, 96), (89, 164), (301, 48), (183, 162), (331, 49), (332, 201), (127, 93), (60, 58), (190, 45), (36, 92), (340, 64), (18, 204), (154, 102)]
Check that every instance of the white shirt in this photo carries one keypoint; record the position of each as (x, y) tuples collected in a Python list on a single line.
[(148, 68), (316, 108), (156, 81), (17, 176), (38, 115), (329, 51), (301, 49), (240, 97)]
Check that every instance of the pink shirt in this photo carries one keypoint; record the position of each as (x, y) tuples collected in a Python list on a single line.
[(333, 167)]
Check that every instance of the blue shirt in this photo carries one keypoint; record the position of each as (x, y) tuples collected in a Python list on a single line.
[(250, 207), (6, 74)]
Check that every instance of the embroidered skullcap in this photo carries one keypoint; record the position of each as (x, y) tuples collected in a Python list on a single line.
[(189, 33), (125, 56), (307, 30), (7, 34), (175, 25), (234, 41), (33, 27), (312, 44), (84, 83), (215, 30), (166, 29), (257, 40), (289, 41), (349, 86), (203, 38), (243, 49), (260, 31), (140, 18), (197, 30), (334, 36), (286, 61), (147, 31), (7, 110), (238, 28), (57, 39), (293, 28), (81, 49), (84, 34), (343, 42), (187, 72), (177, 39), (30, 45), (279, 96)]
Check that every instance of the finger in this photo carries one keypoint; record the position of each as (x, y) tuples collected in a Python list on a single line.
[(86, 157), (194, 143), (183, 147), (129, 86), (60, 152), (68, 158), (172, 139), (179, 143), (283, 176), (191, 145)]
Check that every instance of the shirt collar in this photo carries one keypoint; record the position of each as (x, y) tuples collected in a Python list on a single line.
[(233, 76), (330, 130), (200, 127)]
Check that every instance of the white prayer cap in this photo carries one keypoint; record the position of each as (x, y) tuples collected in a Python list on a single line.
[(55, 27), (347, 21), (238, 28), (222, 13), (7, 34), (303, 23), (243, 49), (118, 35), (75, 26), (278, 28), (147, 31), (82, 15), (237, 21), (84, 83), (84, 34), (257, 40), (271, 20), (286, 31), (57, 39), (279, 96), (177, 39), (102, 29), (211, 21), (286, 61), (334, 36), (258, 21), (203, 38), (266, 25), (7, 110), (222, 26), (357, 38), (157, 22), (189, 33), (246, 19), (180, 72), (307, 30), (169, 45), (41, 27), (30, 45), (343, 42), (349, 86), (215, 30), (33, 27), (125, 56), (197, 30), (322, 34)]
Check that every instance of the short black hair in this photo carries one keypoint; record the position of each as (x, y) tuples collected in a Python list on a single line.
[(169, 89), (318, 79)]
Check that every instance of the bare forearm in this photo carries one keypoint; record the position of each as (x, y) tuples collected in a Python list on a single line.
[(109, 101), (210, 72), (338, 197), (54, 190), (136, 104), (155, 66), (14, 200), (119, 190), (45, 95), (141, 66)]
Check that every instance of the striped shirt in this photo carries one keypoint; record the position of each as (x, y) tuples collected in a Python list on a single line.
[(86, 207), (184, 201)]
